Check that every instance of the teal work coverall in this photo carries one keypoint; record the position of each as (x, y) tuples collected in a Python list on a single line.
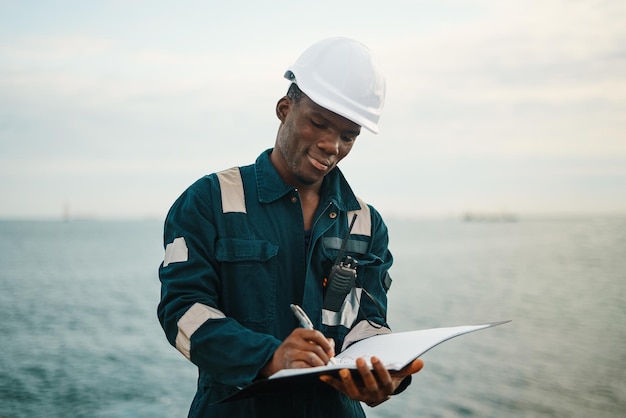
[(236, 258)]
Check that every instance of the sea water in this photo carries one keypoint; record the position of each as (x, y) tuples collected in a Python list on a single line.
[(80, 336)]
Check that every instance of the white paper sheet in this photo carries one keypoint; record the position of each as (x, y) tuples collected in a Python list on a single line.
[(394, 350)]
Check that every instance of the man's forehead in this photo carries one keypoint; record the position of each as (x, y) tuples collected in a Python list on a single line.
[(331, 116)]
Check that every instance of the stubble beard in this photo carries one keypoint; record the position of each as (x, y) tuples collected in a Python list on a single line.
[(292, 156)]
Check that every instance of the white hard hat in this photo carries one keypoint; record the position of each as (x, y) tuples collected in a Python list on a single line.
[(340, 75)]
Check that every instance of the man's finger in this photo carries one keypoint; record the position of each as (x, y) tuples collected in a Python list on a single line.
[(385, 383), (349, 386)]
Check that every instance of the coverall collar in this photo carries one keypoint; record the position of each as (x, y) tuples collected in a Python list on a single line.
[(271, 187)]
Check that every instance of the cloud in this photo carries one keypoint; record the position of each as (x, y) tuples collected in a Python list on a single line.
[(519, 77), (162, 95)]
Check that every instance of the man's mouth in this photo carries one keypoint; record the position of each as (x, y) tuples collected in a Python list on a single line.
[(320, 165)]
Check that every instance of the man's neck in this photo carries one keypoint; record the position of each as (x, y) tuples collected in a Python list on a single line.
[(310, 199)]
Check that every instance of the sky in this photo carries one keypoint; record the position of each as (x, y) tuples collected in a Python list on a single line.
[(111, 109)]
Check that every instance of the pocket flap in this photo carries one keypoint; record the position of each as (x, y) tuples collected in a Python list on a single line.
[(236, 249)]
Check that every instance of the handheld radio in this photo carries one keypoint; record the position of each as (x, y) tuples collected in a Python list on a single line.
[(342, 276)]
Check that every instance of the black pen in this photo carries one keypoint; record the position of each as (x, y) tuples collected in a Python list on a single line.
[(305, 322)]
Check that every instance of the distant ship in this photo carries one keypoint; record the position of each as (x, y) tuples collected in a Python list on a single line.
[(489, 217)]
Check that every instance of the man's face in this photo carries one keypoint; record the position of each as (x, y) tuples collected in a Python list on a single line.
[(311, 141)]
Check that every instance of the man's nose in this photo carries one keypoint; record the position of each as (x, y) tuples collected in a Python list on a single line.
[(329, 142)]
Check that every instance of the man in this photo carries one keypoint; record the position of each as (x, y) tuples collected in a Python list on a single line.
[(243, 244)]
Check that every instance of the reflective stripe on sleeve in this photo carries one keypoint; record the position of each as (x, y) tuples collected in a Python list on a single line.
[(195, 316), (176, 252), (348, 312), (231, 185), (361, 331)]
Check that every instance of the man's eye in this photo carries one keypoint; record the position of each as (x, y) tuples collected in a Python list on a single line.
[(317, 125)]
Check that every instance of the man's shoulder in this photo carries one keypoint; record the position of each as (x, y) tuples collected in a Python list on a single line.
[(213, 177)]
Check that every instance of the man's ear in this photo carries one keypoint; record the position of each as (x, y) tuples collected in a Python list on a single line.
[(283, 107)]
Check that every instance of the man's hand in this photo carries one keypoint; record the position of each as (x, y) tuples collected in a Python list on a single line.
[(376, 386), (302, 348)]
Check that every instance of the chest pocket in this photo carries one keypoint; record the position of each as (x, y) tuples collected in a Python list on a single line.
[(248, 270)]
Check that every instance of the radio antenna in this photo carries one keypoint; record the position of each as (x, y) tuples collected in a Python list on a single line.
[(345, 240)]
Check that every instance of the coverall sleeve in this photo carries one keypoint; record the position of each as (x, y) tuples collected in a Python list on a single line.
[(189, 310), (375, 276)]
